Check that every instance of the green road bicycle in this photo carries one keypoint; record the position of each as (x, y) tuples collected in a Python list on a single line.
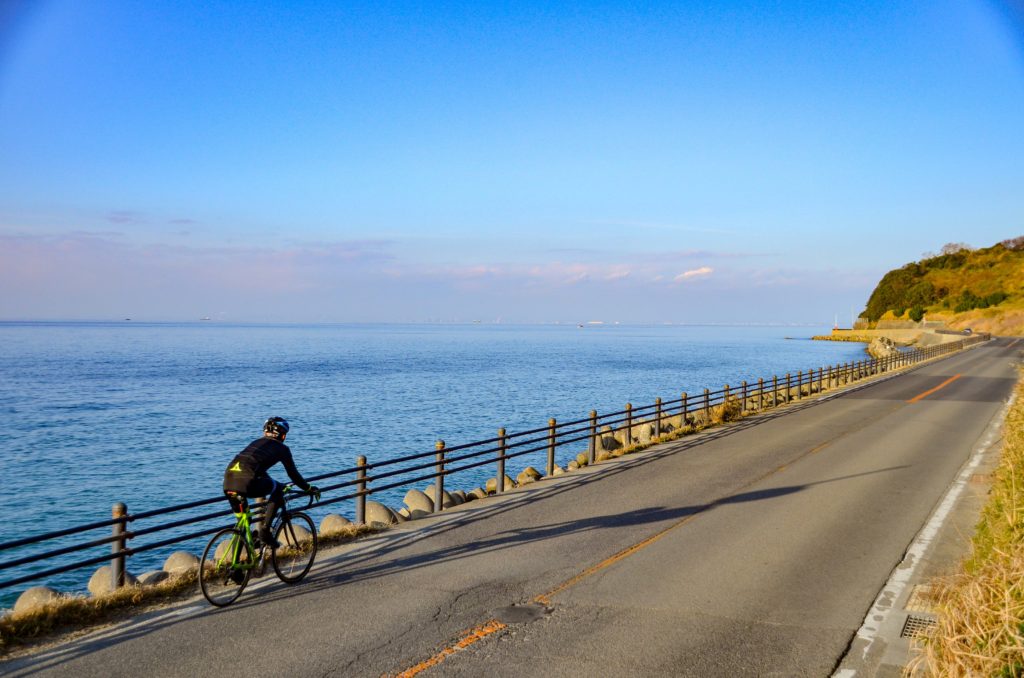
[(235, 554)]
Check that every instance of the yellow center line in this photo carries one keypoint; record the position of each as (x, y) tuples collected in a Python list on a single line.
[(545, 598), (493, 626), (933, 390), (470, 637)]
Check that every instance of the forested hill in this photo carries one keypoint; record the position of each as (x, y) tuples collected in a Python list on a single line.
[(978, 288)]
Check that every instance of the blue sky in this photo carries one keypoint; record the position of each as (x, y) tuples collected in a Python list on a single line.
[(641, 162)]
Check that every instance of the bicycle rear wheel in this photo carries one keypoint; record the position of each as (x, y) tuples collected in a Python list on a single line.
[(225, 567), (297, 536)]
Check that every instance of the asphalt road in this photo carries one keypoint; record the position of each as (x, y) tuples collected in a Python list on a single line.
[(753, 549)]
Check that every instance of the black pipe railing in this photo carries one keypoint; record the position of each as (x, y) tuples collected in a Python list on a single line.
[(441, 462)]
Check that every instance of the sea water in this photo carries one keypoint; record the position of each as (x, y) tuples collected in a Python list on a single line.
[(150, 414)]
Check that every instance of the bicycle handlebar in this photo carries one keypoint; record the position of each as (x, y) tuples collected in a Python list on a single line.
[(291, 491)]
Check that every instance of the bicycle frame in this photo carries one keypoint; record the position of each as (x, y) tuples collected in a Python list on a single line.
[(243, 523)]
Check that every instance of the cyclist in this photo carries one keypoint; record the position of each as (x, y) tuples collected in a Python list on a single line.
[(246, 475)]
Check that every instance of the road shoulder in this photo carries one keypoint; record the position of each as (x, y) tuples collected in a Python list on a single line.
[(883, 644)]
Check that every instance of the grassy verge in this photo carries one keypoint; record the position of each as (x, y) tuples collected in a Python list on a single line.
[(70, 613), (981, 607)]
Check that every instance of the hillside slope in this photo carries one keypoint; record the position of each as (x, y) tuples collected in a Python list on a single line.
[(982, 289)]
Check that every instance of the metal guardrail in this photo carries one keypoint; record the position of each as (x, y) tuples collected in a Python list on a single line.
[(366, 479)]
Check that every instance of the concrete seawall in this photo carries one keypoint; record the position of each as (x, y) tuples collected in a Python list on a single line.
[(904, 337)]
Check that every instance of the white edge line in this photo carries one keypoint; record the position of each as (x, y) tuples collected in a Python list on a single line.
[(884, 604)]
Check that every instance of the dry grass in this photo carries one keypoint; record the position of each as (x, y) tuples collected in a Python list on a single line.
[(730, 410), (347, 534), (981, 608), (73, 612), (1006, 323)]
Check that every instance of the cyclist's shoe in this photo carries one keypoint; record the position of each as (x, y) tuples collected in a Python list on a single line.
[(237, 576), (269, 541)]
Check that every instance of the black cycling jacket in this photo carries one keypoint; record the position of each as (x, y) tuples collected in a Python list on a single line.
[(254, 461)]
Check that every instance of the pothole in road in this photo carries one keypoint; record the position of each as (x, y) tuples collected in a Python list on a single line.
[(520, 614)]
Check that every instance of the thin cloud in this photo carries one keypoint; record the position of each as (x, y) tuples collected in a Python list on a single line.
[(657, 226), (679, 255), (649, 257), (126, 217), (697, 273)]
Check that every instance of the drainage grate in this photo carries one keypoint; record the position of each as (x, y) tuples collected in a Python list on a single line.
[(917, 626)]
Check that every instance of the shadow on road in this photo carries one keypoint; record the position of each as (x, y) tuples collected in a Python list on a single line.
[(516, 537), (370, 561)]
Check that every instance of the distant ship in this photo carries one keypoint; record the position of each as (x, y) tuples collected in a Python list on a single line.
[(205, 317)]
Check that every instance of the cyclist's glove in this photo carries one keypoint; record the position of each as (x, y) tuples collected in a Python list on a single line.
[(315, 491)]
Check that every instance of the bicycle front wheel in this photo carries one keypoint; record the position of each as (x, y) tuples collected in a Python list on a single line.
[(297, 536), (226, 566)]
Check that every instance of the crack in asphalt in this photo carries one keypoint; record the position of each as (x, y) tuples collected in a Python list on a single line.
[(391, 640)]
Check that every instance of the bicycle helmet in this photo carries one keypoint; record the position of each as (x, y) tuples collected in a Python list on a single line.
[(276, 426)]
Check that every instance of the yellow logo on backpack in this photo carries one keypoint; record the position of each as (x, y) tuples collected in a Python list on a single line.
[(237, 467)]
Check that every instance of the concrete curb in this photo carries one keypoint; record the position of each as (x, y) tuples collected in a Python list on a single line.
[(882, 645)]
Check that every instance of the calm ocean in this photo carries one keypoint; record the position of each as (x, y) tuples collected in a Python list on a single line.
[(149, 414)]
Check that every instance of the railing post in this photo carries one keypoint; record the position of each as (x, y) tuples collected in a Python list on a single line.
[(119, 513), (799, 384), (552, 424), (821, 379), (789, 387), (592, 441), (628, 436), (500, 480), (760, 393), (775, 390), (707, 406), (743, 406), (439, 483), (361, 489), (684, 409), (657, 417)]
